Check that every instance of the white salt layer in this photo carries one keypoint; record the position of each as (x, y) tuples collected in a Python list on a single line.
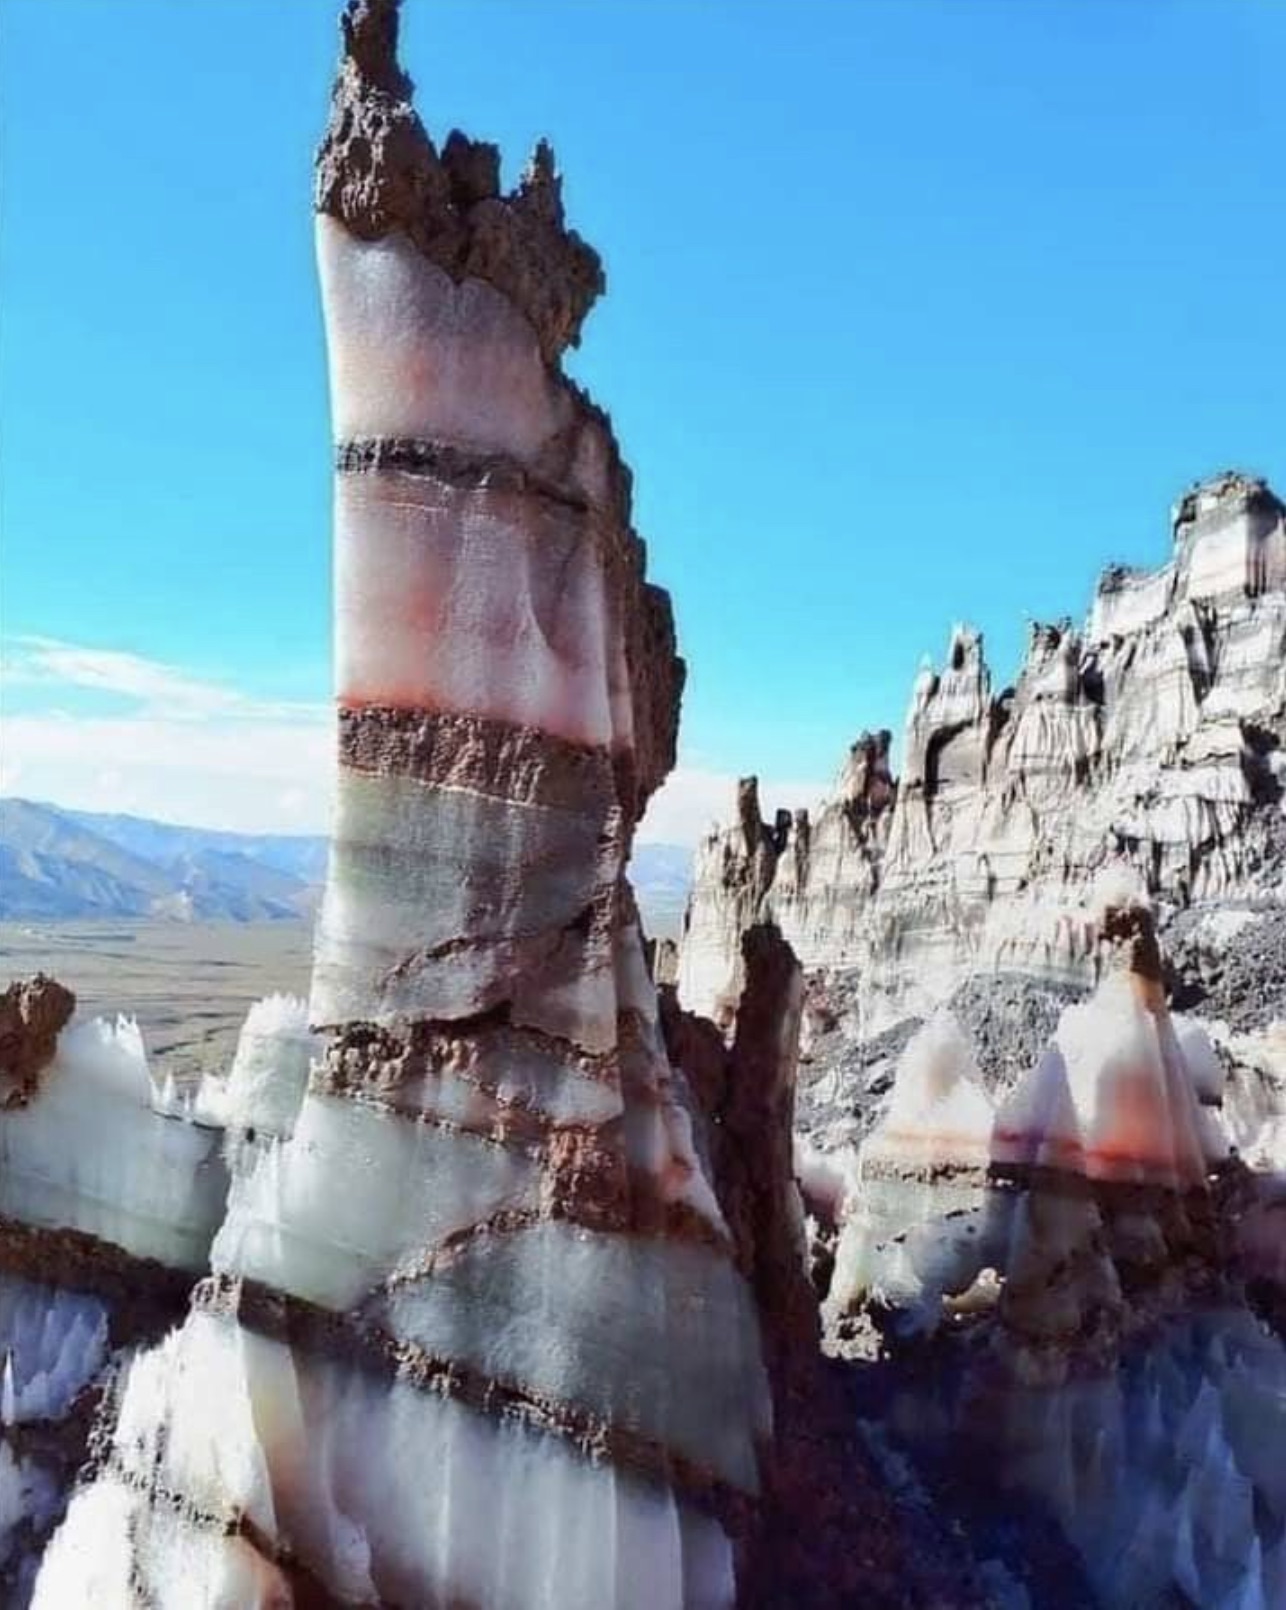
[(414, 354), (330, 1213), (478, 601), (545, 1308), (512, 1519), (91, 1153)]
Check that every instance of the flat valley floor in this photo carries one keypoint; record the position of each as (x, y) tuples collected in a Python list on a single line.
[(188, 984)]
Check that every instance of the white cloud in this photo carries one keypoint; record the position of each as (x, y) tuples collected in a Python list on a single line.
[(211, 755), (249, 776), (160, 689), (183, 749)]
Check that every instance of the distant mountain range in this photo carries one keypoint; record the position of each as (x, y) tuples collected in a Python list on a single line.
[(57, 863), (63, 863)]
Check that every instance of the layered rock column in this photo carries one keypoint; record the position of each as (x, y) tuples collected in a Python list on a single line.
[(478, 1331)]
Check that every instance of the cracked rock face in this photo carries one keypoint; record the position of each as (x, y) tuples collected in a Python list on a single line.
[(1152, 736)]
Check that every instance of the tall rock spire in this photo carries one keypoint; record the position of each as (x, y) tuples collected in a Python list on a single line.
[(477, 1330)]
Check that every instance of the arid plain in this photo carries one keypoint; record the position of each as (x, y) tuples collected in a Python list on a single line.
[(188, 984)]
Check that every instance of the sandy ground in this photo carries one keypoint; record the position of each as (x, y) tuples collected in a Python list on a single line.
[(189, 985)]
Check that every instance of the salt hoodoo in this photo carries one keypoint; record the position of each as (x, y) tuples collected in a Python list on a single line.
[(1153, 733), (477, 1330), (1065, 1292)]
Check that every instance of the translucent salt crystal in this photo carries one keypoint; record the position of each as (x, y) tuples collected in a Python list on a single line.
[(1111, 1098), (91, 1153), (938, 1112), (269, 1074), (8, 1396)]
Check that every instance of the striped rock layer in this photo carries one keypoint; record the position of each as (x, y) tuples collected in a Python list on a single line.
[(1155, 734), (476, 1332)]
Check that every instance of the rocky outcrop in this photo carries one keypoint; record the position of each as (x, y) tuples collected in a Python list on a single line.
[(33, 1012), (739, 869), (828, 1531), (378, 172), (1151, 736)]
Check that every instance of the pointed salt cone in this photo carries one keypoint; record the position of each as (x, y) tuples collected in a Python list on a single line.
[(1113, 1099), (8, 1394)]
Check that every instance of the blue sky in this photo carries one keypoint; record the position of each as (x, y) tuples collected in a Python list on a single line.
[(918, 310)]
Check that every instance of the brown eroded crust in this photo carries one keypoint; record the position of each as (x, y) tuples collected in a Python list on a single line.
[(378, 170), (33, 1012)]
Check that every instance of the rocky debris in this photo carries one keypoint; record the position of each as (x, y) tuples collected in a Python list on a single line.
[(1229, 965), (33, 1012), (1009, 1020), (844, 1079), (1151, 738)]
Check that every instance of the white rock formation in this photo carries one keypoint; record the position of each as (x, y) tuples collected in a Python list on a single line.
[(1152, 736)]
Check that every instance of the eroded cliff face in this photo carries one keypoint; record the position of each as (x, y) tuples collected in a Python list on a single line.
[(1152, 736)]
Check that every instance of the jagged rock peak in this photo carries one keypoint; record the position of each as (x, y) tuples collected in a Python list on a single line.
[(866, 780), (1230, 492), (369, 28), (1154, 732), (33, 1012), (758, 835), (378, 171)]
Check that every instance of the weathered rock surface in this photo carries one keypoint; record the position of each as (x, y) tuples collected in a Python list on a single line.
[(33, 1012), (1151, 736), (829, 1531), (379, 172)]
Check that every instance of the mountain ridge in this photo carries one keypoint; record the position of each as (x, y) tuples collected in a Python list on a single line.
[(56, 862)]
